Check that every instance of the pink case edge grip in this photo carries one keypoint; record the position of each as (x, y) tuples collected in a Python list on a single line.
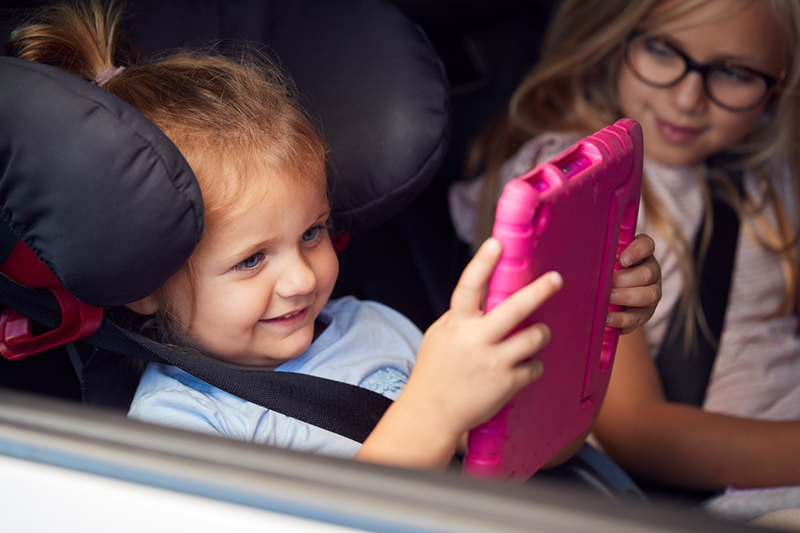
[(486, 456)]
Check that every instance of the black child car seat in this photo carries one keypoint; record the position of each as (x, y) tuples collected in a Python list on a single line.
[(109, 206)]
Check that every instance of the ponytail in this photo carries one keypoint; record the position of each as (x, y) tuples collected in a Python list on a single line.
[(82, 38)]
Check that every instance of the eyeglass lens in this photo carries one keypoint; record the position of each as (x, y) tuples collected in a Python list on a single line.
[(660, 65)]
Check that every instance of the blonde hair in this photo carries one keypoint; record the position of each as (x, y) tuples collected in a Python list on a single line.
[(573, 89), (228, 115)]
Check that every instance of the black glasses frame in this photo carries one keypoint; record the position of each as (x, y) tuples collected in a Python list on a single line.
[(703, 70)]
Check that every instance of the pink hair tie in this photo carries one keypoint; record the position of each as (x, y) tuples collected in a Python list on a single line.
[(103, 78)]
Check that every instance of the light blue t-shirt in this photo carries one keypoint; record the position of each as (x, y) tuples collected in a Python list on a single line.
[(365, 344)]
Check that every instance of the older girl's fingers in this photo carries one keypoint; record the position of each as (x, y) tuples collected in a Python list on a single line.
[(647, 296), (647, 272), (630, 319), (504, 318), (468, 294), (640, 248)]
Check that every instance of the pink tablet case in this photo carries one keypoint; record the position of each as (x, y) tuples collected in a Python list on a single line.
[(573, 214)]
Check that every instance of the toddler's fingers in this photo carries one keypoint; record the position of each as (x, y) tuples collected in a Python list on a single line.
[(524, 344), (641, 247), (521, 375), (647, 296), (502, 320), (526, 373), (534, 368), (468, 294)]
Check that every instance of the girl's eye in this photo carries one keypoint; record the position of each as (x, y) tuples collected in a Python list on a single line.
[(657, 48), (736, 75), (251, 262), (312, 234)]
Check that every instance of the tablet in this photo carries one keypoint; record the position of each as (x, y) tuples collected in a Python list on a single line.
[(573, 214)]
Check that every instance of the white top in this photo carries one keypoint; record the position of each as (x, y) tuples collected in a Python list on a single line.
[(757, 369)]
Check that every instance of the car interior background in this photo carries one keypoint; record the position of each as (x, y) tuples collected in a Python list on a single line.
[(403, 253)]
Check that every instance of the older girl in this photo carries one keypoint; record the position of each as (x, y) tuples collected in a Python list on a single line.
[(714, 84)]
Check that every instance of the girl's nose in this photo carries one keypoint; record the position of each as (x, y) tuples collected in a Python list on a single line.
[(689, 94), (297, 277)]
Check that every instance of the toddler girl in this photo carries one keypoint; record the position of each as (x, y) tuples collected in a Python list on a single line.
[(255, 292), (714, 84)]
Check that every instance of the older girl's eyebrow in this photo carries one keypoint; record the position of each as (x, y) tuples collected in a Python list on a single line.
[(735, 60)]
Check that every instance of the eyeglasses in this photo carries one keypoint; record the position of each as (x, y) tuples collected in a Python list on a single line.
[(730, 86)]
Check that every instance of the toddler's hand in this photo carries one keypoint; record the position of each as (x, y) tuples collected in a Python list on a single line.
[(468, 366), (637, 287)]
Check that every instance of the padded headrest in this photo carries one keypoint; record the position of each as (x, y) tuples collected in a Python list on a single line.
[(372, 77), (95, 189), (108, 203)]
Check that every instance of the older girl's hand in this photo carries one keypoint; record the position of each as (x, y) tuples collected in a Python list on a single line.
[(637, 286)]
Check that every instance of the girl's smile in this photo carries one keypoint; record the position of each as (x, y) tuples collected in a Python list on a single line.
[(675, 134), (287, 320)]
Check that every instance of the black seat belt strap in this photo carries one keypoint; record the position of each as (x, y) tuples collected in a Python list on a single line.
[(345, 409), (685, 375)]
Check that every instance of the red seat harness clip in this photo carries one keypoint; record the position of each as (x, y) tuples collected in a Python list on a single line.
[(79, 320), (340, 242)]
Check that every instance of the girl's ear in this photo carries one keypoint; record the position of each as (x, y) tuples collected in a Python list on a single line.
[(145, 306)]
